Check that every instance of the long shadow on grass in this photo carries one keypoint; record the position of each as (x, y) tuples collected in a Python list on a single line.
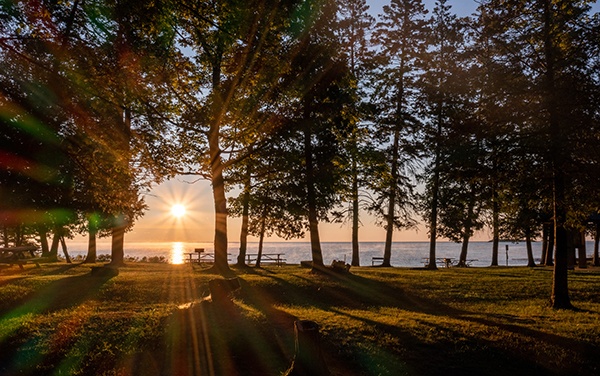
[(217, 338), (459, 353), (17, 353)]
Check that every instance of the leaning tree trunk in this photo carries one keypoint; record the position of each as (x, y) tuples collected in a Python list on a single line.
[(64, 249)]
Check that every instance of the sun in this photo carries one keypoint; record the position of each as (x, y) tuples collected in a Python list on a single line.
[(178, 210)]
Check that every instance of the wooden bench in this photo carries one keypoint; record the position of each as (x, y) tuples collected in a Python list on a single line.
[(376, 259)]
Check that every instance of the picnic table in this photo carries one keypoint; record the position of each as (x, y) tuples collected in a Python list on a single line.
[(200, 257), (268, 258), (20, 256)]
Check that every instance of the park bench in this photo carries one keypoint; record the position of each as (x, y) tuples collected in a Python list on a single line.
[(376, 259)]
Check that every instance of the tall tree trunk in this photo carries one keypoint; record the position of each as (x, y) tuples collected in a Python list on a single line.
[(355, 213), (596, 260), (117, 253), (495, 225), (44, 242), (462, 261), (216, 165), (550, 248), (241, 259), (261, 239), (530, 259), (18, 235), (313, 222), (91, 252), (389, 230), (571, 246), (544, 244), (53, 254), (435, 192), (582, 250), (560, 284)]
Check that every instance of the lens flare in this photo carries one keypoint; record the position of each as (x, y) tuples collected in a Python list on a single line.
[(178, 210)]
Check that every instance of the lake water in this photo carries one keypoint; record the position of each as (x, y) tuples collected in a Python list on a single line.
[(407, 254)]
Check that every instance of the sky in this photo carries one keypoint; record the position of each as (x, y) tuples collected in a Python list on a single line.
[(197, 224)]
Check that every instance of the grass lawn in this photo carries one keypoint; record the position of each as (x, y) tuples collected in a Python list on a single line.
[(60, 320)]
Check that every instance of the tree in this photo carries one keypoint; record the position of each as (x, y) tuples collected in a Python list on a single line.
[(550, 42), (354, 26), (319, 87), (400, 36), (442, 91), (231, 56)]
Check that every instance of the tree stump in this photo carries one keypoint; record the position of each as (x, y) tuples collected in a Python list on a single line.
[(104, 271), (221, 289), (308, 359)]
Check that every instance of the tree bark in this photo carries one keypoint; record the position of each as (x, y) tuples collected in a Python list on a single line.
[(495, 225), (53, 254), (596, 260), (435, 188), (560, 285), (313, 222), (530, 259), (44, 242), (91, 253), (549, 261), (582, 251), (462, 261), (261, 239), (389, 230), (544, 243), (117, 254), (355, 213), (241, 260), (216, 165), (64, 249)]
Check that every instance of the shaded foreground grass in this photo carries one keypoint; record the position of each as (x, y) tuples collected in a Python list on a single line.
[(375, 321)]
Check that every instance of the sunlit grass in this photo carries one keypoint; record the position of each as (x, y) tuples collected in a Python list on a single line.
[(373, 322)]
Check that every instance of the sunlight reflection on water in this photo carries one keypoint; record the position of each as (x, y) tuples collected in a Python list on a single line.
[(177, 253)]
